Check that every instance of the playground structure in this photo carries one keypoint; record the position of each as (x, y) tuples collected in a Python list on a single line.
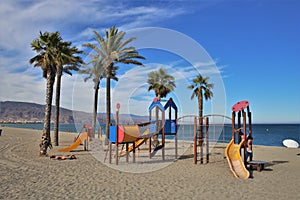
[(202, 134), (131, 134), (171, 125), (199, 139), (157, 125), (82, 138), (236, 161)]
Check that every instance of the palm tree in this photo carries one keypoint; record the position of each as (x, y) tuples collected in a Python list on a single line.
[(112, 49), (162, 84), (65, 61), (96, 72), (201, 87), (45, 46)]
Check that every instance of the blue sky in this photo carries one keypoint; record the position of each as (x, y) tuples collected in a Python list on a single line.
[(254, 48)]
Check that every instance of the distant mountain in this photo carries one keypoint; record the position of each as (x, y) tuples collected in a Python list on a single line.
[(23, 112)]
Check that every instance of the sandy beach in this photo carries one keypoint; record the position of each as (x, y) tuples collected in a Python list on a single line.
[(26, 175)]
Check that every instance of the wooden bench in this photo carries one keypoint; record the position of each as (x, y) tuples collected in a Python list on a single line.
[(258, 163)]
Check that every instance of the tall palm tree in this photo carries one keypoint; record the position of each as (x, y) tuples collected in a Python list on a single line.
[(45, 47), (112, 49), (201, 87), (66, 61), (96, 72), (162, 84)]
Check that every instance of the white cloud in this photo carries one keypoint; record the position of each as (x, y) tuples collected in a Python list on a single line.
[(22, 87), (76, 21), (21, 22), (131, 91)]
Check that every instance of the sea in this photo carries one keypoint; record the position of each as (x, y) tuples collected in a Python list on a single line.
[(263, 134)]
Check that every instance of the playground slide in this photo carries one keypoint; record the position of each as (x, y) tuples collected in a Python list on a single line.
[(138, 143), (235, 161), (82, 137)]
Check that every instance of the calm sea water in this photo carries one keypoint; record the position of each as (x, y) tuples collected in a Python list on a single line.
[(270, 134), (263, 134)]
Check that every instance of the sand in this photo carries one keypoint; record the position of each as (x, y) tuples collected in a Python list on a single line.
[(26, 175)]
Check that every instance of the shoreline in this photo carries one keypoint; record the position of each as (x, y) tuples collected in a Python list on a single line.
[(24, 174), (279, 144)]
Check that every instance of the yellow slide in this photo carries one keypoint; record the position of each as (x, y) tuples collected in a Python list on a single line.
[(82, 137), (138, 143), (235, 161)]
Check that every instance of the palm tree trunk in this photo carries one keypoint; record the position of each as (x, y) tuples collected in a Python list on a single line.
[(95, 105), (57, 105), (107, 108), (46, 139)]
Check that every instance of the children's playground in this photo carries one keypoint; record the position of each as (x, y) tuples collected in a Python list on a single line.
[(166, 138)]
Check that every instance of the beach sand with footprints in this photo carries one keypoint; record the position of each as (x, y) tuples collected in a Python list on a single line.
[(26, 175)]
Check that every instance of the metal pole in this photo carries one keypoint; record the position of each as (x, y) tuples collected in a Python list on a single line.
[(117, 135), (245, 132), (239, 126), (149, 143), (195, 140), (133, 153), (250, 125), (201, 139), (176, 137), (207, 141), (249, 121), (109, 152), (233, 126), (163, 135), (127, 153)]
